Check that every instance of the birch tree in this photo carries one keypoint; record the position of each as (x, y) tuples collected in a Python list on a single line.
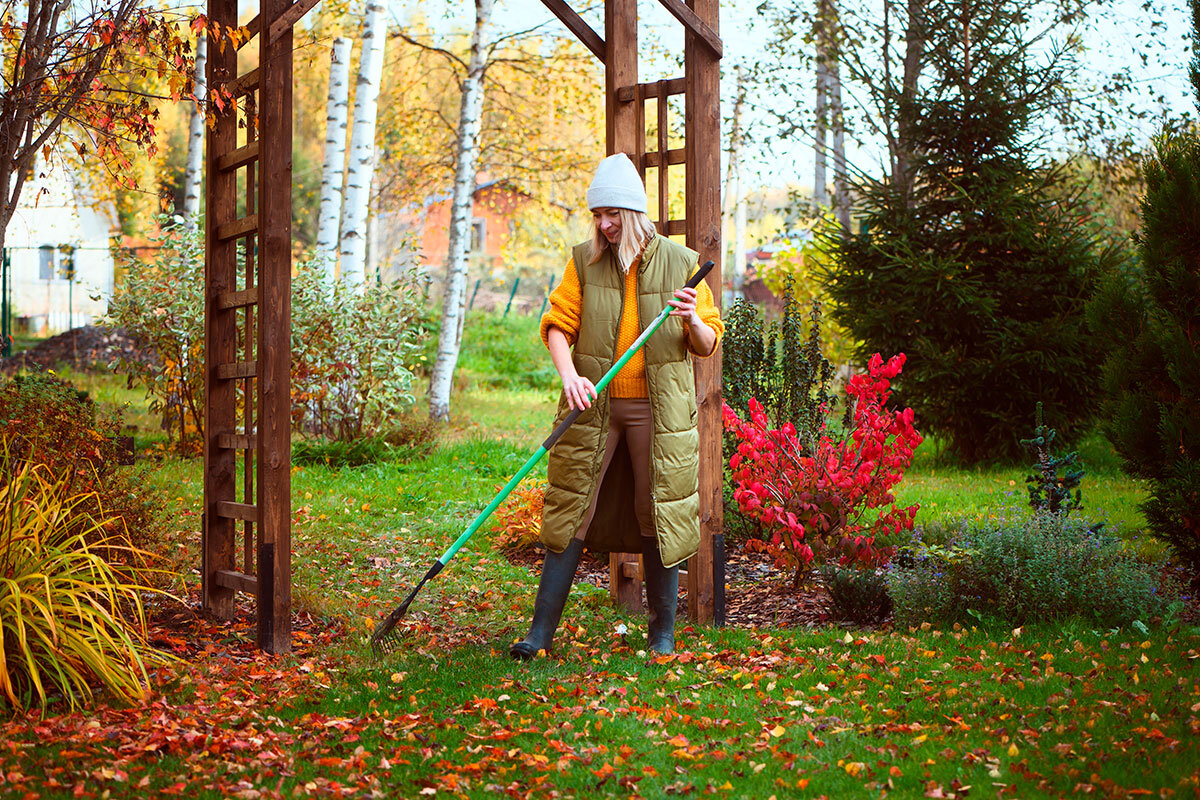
[(357, 196), (735, 192), (336, 109), (466, 163), (193, 174)]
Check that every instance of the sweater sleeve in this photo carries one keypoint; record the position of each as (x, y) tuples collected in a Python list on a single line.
[(706, 309), (566, 305)]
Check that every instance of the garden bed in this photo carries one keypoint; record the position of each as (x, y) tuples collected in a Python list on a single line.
[(754, 596)]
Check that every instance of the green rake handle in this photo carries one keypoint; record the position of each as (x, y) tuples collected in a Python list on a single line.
[(553, 438)]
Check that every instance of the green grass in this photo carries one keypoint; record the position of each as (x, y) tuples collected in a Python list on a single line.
[(1044, 711)]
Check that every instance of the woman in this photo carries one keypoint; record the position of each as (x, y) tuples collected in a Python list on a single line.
[(625, 476)]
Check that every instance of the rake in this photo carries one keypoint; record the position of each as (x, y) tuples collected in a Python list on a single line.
[(383, 639)]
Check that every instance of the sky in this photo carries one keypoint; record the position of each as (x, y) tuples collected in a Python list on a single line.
[(1109, 46)]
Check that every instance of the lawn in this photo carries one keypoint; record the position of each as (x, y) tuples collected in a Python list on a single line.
[(1047, 710)]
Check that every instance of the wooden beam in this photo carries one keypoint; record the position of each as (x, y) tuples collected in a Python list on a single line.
[(220, 329), (274, 425), (578, 26), (238, 228), (664, 179), (695, 26), (239, 299), (236, 369), (237, 441), (624, 133), (676, 156), (627, 94), (703, 124), (244, 511), (244, 84), (284, 22), (246, 154), (237, 581)]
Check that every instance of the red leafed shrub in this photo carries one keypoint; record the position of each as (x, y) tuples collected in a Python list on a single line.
[(828, 497)]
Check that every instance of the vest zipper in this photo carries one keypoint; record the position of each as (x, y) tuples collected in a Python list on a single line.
[(650, 396)]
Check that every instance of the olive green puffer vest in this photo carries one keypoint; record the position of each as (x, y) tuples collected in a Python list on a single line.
[(575, 461)]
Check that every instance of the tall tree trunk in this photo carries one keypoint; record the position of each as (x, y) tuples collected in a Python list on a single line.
[(336, 108), (357, 198), (467, 157), (193, 174), (837, 121), (914, 51), (822, 38), (734, 191), (739, 244)]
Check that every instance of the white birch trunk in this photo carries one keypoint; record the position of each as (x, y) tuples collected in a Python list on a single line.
[(193, 174), (733, 179), (466, 162), (737, 202), (332, 172), (821, 111), (841, 182), (739, 244), (357, 197)]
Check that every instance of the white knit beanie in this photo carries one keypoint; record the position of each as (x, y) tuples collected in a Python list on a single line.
[(617, 185)]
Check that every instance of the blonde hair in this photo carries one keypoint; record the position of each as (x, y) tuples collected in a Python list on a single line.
[(636, 231)]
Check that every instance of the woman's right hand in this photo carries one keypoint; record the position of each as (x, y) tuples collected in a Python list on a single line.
[(579, 391)]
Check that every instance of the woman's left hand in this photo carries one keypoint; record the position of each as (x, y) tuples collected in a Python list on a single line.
[(684, 306)]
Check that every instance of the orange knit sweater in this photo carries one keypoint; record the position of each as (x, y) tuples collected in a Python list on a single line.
[(566, 303)]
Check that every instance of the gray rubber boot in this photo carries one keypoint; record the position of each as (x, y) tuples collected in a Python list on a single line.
[(558, 571), (662, 596)]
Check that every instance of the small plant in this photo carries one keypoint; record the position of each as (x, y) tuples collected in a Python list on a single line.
[(353, 353), (161, 305), (414, 435), (1043, 568), (68, 618), (858, 595), (519, 518), (828, 494), (338, 454), (1050, 492)]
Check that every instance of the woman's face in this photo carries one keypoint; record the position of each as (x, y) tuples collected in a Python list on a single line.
[(608, 222)]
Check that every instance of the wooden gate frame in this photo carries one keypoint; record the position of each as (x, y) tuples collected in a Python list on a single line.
[(250, 309), (625, 129)]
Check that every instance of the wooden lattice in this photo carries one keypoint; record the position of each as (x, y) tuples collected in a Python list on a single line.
[(248, 289)]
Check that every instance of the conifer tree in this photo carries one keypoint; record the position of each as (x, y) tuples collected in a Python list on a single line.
[(1151, 322), (976, 264)]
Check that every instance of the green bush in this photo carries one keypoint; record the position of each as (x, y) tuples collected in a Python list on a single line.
[(1043, 568), (68, 618), (776, 364), (856, 594), (353, 354), (1147, 319), (46, 421), (161, 305)]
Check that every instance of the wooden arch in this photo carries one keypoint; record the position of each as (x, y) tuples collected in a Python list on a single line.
[(248, 290)]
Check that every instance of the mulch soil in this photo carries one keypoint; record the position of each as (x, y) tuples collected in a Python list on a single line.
[(756, 594), (90, 348)]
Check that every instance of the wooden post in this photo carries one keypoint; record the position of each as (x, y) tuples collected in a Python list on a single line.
[(703, 135), (274, 460), (220, 330), (622, 123)]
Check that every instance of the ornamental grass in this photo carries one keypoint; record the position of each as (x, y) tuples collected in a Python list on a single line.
[(71, 622)]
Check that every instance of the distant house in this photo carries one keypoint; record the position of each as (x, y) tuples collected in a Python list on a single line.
[(425, 230), (58, 249)]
